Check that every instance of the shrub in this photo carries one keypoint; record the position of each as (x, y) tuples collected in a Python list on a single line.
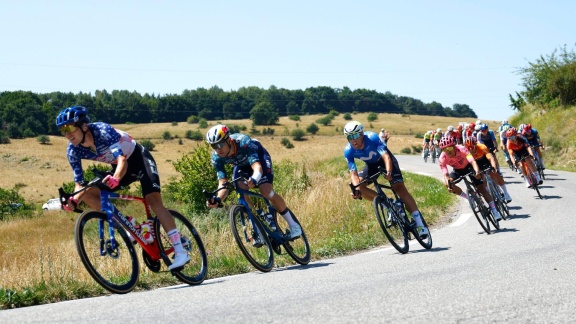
[(372, 117), (4, 138), (325, 120), (294, 117), (194, 135), (406, 150), (416, 149), (174, 123), (43, 139), (312, 128), (148, 145), (193, 119), (297, 134), (347, 116), (286, 142), (166, 135)]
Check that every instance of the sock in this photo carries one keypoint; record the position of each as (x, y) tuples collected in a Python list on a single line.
[(505, 189), (288, 217), (418, 218), (174, 236), (464, 195)]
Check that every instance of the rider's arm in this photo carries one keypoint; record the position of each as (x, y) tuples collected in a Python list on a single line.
[(388, 165), (256, 175), (121, 168)]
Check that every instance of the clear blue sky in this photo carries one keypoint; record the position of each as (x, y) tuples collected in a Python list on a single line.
[(445, 51)]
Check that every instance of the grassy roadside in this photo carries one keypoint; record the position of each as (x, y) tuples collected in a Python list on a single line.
[(335, 223)]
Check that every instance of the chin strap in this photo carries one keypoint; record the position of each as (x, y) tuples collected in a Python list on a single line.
[(83, 136)]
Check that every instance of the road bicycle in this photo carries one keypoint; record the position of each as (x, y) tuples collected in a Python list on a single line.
[(496, 193), (257, 229), (479, 208), (529, 173), (426, 153), (538, 162), (397, 226), (105, 241)]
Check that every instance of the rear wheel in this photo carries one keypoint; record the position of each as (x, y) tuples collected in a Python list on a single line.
[(498, 198), (426, 151), (393, 229), (297, 248), (426, 242), (195, 271), (479, 210), (114, 265), (251, 239)]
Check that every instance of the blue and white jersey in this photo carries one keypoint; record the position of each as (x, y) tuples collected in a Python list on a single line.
[(487, 139), (248, 152), (371, 152), (110, 144)]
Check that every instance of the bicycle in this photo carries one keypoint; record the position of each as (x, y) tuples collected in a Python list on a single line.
[(538, 162), (112, 262), (479, 208), (425, 154), (497, 194), (392, 217), (528, 166), (256, 238)]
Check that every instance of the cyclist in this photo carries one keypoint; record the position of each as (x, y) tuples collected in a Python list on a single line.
[(384, 136), (130, 162), (247, 155), (519, 147), (458, 135), (468, 132), (368, 147), (485, 159), (533, 138), (462, 162), (437, 136), (486, 136), (450, 131), (427, 142), (503, 141)]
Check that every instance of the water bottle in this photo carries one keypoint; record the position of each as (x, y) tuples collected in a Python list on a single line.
[(134, 223), (147, 231), (400, 208)]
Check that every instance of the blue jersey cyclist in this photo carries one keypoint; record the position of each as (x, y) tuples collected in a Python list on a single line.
[(130, 162), (249, 156), (368, 147), (531, 134)]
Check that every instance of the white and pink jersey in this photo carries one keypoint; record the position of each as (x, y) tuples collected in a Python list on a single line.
[(459, 161)]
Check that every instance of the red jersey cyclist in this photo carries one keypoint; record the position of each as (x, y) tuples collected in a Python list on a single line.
[(485, 159), (518, 147), (534, 140), (462, 163)]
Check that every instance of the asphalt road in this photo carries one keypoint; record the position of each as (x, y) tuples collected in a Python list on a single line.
[(521, 274)]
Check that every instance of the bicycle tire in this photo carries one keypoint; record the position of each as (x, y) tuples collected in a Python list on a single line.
[(262, 257), (195, 271), (426, 155), (117, 270), (298, 248), (394, 231), (499, 203), (478, 209), (427, 242)]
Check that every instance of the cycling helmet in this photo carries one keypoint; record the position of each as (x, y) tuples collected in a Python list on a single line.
[(520, 128), (511, 132), (353, 128), (505, 128), (439, 130), (471, 126), (477, 127), (429, 132), (478, 122), (460, 127), (217, 134), (483, 127), (447, 141), (450, 128), (505, 122), (470, 142), (74, 114), (527, 128)]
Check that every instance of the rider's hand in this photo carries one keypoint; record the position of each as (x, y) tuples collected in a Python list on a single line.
[(213, 202), (111, 182), (478, 175), (71, 204), (388, 176), (357, 194), (251, 182)]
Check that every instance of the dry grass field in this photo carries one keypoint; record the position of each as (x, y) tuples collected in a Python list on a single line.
[(39, 170)]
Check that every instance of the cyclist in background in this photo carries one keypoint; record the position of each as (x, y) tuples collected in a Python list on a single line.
[(249, 156), (468, 131), (384, 136), (130, 162), (519, 147), (450, 131), (368, 147), (503, 141), (437, 136), (427, 143), (486, 136), (486, 159), (533, 138), (458, 135), (462, 163)]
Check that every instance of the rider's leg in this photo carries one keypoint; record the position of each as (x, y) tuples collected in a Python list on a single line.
[(409, 201), (267, 190), (499, 180)]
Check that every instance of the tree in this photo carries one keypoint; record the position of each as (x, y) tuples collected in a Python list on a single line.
[(312, 128), (264, 114)]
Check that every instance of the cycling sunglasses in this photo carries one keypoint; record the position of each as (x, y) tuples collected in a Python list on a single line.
[(218, 145), (353, 136), (513, 137), (67, 129), (449, 149)]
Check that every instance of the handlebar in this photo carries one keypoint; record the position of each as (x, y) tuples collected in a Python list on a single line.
[(381, 170), (209, 195), (96, 182)]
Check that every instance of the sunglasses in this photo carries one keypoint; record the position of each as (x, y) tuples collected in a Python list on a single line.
[(449, 149), (512, 138), (218, 145), (67, 129), (353, 136)]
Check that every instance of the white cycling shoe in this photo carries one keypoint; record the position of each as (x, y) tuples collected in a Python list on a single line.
[(180, 259), (295, 231)]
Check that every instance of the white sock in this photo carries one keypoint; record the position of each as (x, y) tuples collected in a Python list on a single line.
[(417, 218), (504, 189), (288, 217), (174, 236)]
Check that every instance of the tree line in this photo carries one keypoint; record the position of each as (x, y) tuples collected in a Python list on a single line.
[(28, 114)]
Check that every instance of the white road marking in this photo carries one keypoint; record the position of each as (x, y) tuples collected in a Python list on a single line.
[(461, 220)]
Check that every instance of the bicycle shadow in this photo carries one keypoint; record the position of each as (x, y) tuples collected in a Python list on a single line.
[(504, 230), (433, 249), (519, 216), (303, 267)]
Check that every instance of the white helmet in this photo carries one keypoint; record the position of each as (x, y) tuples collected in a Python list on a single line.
[(353, 127), (478, 122), (439, 130), (217, 134), (477, 127), (450, 128), (505, 122)]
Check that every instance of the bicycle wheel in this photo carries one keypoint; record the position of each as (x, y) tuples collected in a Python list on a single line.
[(426, 242), (535, 185), (115, 269), (394, 229), (493, 220), (426, 155), (478, 208), (498, 198), (298, 248), (253, 242), (195, 271)]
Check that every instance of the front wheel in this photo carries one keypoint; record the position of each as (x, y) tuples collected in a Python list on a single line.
[(393, 228), (427, 241), (195, 271), (251, 238), (112, 263), (480, 211)]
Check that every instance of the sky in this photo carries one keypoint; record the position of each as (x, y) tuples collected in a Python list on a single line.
[(466, 52)]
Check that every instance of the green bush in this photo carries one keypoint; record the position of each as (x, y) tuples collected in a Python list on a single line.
[(166, 135), (193, 119), (406, 150), (43, 139), (286, 142), (416, 149), (147, 144), (312, 128), (294, 117), (4, 138), (347, 116), (194, 135), (297, 134), (372, 117), (326, 120)]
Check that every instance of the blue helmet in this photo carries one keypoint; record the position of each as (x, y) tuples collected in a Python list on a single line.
[(483, 127), (74, 114)]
